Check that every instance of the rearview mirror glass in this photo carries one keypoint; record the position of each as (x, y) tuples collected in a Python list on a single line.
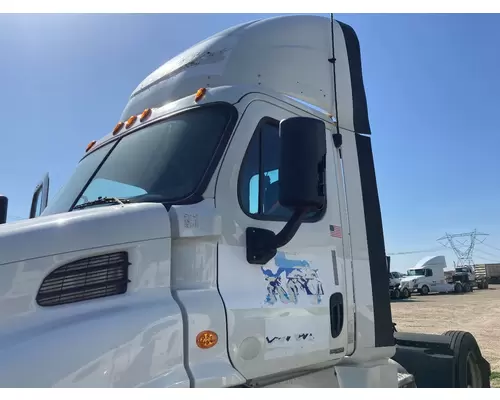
[(302, 164)]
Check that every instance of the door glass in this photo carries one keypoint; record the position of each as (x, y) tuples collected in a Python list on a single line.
[(259, 176)]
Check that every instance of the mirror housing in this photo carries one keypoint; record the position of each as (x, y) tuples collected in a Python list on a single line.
[(41, 193), (302, 164), (4, 204), (301, 184)]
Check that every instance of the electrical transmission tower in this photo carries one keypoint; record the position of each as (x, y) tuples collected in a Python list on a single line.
[(462, 245)]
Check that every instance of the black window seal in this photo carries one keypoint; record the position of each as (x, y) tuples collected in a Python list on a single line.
[(318, 216)]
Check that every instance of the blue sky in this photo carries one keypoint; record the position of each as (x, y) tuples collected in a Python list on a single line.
[(431, 80)]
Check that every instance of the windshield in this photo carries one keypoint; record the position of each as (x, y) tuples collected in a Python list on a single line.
[(461, 270), (416, 272), (165, 161)]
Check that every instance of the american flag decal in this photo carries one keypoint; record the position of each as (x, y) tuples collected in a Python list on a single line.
[(336, 231)]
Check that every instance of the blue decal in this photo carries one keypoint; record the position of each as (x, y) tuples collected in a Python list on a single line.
[(300, 278)]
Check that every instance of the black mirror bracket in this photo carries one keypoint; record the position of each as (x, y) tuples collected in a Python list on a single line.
[(337, 140), (262, 244), (4, 202)]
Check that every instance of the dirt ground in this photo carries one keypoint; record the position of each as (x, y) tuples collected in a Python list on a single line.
[(477, 312)]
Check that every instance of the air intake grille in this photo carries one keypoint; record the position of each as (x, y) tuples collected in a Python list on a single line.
[(85, 279)]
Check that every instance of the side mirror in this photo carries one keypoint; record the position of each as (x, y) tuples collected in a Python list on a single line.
[(301, 184), (302, 164), (40, 197), (4, 203)]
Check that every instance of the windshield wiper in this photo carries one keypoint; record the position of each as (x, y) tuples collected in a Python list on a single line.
[(101, 200)]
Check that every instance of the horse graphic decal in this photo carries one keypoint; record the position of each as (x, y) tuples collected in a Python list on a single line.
[(292, 279)]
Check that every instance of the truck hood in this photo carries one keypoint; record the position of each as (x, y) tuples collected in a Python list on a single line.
[(411, 278), (84, 229)]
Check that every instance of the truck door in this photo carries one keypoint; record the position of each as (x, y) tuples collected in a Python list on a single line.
[(431, 279), (289, 313), (40, 197)]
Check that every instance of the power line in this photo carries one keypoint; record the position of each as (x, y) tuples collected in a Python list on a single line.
[(414, 252), (486, 259), (493, 247), (487, 253)]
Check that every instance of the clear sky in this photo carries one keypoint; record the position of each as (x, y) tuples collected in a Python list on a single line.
[(433, 95)]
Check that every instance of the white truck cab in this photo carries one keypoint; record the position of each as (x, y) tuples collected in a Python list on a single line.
[(428, 276), (220, 236)]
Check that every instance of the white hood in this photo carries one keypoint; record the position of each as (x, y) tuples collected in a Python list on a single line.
[(84, 229), (411, 278)]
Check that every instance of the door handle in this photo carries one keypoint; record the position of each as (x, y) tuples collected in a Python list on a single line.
[(336, 314)]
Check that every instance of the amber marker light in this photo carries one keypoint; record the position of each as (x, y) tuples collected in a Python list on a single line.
[(90, 145), (200, 94), (206, 339), (118, 128), (130, 121), (145, 115)]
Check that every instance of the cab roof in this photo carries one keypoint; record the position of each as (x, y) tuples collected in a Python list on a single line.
[(291, 55)]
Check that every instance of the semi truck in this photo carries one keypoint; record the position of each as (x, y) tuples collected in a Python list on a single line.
[(395, 290), (469, 274), (475, 276), (226, 233), (428, 276), (489, 273)]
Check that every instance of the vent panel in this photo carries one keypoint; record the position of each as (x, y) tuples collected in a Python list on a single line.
[(85, 279)]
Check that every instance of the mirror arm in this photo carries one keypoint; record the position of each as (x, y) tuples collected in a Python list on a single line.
[(290, 229), (262, 244)]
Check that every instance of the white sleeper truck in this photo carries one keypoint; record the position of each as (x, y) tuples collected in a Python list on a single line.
[(226, 233), (428, 276)]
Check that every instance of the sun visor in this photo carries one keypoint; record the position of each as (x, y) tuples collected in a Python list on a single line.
[(289, 55)]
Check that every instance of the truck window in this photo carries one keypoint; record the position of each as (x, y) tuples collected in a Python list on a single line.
[(119, 189), (38, 204), (258, 186), (166, 161), (416, 272), (428, 272)]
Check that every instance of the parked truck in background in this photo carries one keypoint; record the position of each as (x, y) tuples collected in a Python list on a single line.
[(428, 276), (474, 276), (224, 234), (469, 274), (490, 273), (395, 291)]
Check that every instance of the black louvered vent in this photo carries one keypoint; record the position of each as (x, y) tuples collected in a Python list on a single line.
[(85, 279)]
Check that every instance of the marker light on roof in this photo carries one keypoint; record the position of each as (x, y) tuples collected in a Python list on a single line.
[(200, 94), (130, 121), (145, 114), (90, 145), (118, 127)]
